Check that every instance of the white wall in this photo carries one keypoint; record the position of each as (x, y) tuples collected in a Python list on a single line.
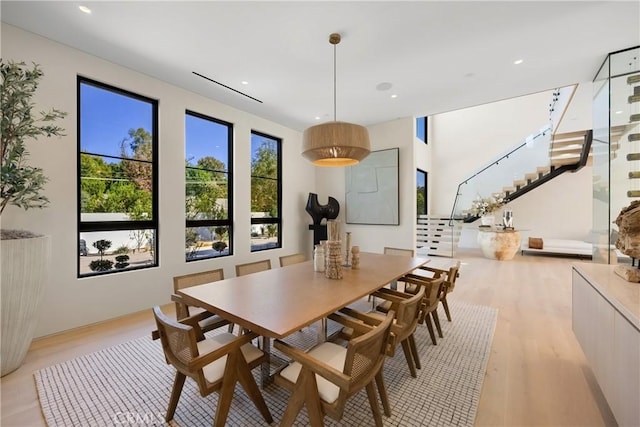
[(466, 140), (373, 238), (70, 302)]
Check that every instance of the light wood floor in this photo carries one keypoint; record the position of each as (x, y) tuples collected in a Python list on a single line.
[(536, 376)]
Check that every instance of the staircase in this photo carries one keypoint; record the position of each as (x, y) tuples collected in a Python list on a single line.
[(569, 152)]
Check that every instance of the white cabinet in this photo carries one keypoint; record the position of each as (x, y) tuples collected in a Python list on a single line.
[(606, 324)]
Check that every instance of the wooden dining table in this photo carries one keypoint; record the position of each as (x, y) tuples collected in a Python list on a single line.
[(278, 302)]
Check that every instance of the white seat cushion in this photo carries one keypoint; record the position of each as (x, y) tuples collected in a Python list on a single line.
[(215, 370), (329, 353)]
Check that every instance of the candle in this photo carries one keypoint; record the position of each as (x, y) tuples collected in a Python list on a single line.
[(348, 241)]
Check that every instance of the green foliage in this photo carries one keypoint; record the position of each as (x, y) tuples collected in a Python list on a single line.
[(421, 203), (121, 250), (264, 175), (206, 187), (123, 186), (102, 246), (190, 238), (21, 185), (101, 265), (271, 230), (121, 261), (219, 246)]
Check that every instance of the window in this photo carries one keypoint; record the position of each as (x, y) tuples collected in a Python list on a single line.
[(421, 195), (266, 192), (117, 179), (208, 178), (421, 128)]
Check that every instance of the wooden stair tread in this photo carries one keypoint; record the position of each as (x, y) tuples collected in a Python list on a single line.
[(633, 79)]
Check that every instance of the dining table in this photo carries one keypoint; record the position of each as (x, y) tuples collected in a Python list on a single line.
[(278, 302)]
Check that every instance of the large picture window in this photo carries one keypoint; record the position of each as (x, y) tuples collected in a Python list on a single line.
[(208, 178), (266, 192), (117, 179)]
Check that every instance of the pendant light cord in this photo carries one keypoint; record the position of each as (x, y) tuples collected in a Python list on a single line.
[(334, 84)]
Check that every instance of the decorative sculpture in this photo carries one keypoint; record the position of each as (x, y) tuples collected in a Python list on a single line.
[(628, 241), (319, 212)]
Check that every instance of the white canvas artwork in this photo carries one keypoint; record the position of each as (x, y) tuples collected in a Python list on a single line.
[(372, 189)]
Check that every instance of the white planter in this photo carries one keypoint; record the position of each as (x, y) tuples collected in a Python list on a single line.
[(487, 220), (24, 268)]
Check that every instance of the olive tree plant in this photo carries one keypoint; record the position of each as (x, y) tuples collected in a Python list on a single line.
[(21, 185)]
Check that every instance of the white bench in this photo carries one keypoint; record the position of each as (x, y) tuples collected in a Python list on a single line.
[(564, 247)]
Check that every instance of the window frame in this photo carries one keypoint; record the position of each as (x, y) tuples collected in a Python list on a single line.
[(124, 225), (425, 194), (278, 219), (424, 135), (216, 222)]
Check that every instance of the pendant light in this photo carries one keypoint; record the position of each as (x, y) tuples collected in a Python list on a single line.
[(335, 143)]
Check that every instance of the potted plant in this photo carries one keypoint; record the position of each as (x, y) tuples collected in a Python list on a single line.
[(25, 257), (483, 207)]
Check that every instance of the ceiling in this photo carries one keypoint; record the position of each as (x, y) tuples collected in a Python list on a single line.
[(438, 56)]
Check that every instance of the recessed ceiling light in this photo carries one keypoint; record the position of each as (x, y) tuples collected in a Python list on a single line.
[(619, 112), (317, 117), (394, 96), (85, 9), (244, 82), (518, 61)]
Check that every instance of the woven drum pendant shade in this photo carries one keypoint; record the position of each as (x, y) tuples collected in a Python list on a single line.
[(335, 144)]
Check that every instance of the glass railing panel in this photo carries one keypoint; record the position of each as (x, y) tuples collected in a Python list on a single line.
[(525, 158)]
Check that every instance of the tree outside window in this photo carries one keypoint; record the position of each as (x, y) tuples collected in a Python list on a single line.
[(266, 192)]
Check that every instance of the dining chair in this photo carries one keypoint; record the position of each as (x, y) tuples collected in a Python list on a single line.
[(408, 312), (209, 321), (292, 259), (253, 267), (433, 289), (216, 364), (449, 284), (325, 377)]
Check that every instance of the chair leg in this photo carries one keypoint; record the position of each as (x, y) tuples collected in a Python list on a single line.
[(227, 389), (251, 388), (407, 355), (175, 395), (427, 321), (231, 325), (436, 320), (382, 391), (414, 351), (305, 391), (445, 304), (373, 401)]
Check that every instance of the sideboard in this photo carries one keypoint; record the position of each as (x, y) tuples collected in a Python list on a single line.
[(606, 322)]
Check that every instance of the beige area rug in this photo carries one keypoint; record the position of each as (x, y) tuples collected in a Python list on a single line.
[(129, 384)]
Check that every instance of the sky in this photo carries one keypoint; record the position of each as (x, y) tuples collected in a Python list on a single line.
[(106, 118)]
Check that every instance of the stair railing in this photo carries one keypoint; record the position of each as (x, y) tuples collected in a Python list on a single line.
[(531, 153)]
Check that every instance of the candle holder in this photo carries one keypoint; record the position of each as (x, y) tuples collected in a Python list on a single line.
[(334, 269), (347, 250)]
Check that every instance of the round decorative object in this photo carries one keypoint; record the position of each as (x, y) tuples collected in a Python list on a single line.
[(500, 245), (25, 266)]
